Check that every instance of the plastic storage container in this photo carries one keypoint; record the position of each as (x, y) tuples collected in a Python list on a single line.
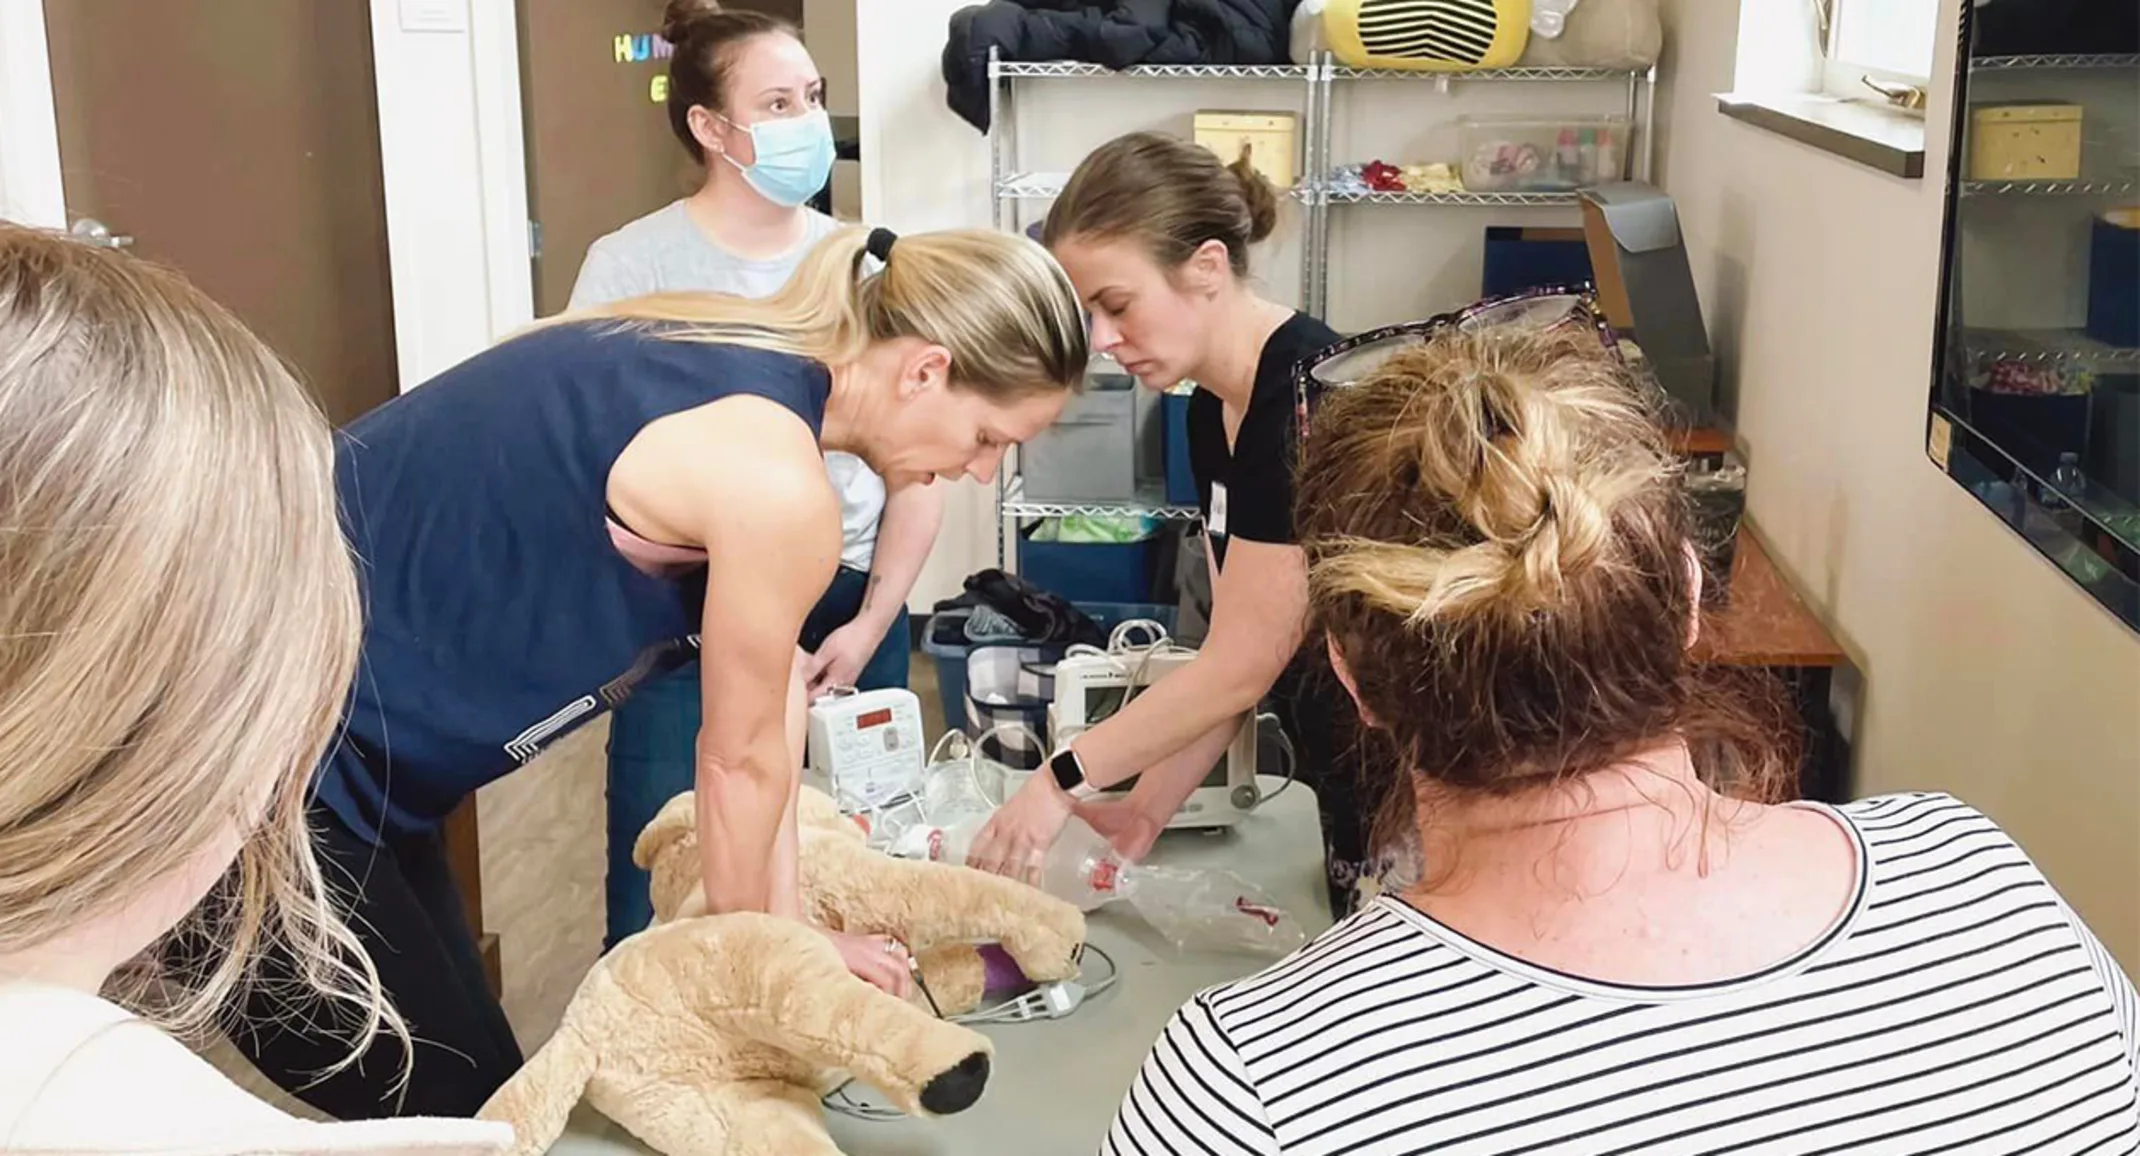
[(2114, 278), (1519, 258), (1089, 454), (1106, 446), (950, 650), (1530, 154), (1181, 480), (1088, 571)]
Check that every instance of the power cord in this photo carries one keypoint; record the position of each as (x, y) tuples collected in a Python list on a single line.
[(1292, 757), (1118, 647)]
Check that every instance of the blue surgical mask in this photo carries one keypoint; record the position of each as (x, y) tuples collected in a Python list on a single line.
[(794, 157)]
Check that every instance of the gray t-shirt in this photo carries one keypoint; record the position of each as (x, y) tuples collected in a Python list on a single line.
[(664, 252)]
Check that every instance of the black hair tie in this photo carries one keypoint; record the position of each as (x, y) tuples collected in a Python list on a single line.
[(880, 243)]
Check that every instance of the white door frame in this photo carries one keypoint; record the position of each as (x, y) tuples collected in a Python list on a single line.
[(451, 151), (454, 160), (501, 132), (30, 189)]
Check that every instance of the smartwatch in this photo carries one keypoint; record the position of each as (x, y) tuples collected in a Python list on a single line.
[(1070, 775)]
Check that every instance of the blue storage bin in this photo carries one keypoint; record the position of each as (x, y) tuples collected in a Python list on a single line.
[(1520, 258), (950, 657), (2114, 279), (1181, 480), (1089, 571)]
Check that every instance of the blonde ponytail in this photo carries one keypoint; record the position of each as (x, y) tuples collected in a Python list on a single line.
[(999, 303)]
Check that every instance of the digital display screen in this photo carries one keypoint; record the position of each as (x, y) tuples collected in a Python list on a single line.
[(875, 718), (1102, 701)]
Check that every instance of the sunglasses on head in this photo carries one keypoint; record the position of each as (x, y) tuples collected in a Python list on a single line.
[(1553, 309)]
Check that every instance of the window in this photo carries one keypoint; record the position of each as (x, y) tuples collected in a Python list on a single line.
[(1887, 39)]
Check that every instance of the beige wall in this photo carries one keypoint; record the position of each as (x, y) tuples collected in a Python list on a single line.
[(1987, 674)]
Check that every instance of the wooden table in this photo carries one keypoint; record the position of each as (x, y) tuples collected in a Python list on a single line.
[(1764, 623)]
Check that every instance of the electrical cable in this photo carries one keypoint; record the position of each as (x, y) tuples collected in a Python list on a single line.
[(1292, 757)]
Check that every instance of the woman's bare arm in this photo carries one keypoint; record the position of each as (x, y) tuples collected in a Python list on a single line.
[(743, 478)]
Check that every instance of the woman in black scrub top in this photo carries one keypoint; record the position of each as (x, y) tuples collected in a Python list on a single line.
[(1154, 232)]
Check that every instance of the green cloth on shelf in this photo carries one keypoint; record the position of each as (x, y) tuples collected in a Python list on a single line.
[(1088, 529)]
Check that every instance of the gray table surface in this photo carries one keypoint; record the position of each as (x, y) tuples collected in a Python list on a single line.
[(1056, 1084)]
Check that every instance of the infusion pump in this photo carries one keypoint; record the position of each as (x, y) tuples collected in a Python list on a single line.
[(868, 746), (1089, 687)]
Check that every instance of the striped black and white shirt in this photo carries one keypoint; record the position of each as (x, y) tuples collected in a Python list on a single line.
[(1957, 1006)]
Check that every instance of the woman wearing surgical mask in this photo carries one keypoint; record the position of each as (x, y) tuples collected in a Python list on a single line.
[(747, 103)]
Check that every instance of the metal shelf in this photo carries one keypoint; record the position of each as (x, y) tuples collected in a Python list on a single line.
[(1031, 186), (2049, 188), (1071, 69), (1047, 186), (1079, 70), (2011, 63), (1488, 74), (1465, 198), (1323, 86), (1016, 505), (2041, 346)]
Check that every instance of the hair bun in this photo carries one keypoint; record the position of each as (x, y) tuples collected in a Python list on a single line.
[(679, 17), (1261, 195)]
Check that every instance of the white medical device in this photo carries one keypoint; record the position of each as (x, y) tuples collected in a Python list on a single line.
[(868, 746), (1090, 686)]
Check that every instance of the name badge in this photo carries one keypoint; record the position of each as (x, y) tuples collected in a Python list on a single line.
[(1218, 508)]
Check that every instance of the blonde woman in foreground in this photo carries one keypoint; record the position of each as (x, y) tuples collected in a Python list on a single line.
[(178, 627), (1624, 942)]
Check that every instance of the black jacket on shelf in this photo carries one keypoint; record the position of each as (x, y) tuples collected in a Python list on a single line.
[(2055, 27), (1116, 35)]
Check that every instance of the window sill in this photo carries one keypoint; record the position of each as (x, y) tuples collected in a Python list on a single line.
[(1886, 139)]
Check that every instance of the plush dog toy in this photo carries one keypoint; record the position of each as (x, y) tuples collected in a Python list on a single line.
[(718, 1036), (938, 910)]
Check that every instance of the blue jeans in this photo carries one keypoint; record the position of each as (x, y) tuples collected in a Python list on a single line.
[(653, 743)]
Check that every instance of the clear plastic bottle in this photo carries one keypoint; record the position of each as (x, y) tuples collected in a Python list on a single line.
[(2067, 479), (1082, 868)]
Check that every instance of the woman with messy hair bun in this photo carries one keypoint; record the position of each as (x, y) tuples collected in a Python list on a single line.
[(1622, 937)]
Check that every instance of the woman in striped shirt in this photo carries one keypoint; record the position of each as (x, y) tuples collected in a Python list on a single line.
[(1620, 941)]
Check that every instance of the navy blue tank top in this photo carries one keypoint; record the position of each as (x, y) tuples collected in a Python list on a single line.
[(499, 616)]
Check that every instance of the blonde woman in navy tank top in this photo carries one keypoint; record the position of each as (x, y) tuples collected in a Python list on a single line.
[(747, 104), (624, 489)]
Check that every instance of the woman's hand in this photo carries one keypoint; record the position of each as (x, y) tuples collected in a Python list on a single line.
[(1128, 826), (878, 959), (1016, 839), (840, 658)]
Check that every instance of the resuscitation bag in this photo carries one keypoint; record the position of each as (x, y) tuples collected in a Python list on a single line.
[(1428, 35)]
